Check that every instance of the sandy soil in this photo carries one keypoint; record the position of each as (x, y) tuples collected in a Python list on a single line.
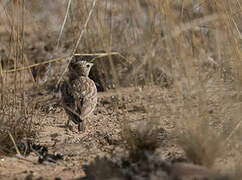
[(102, 135)]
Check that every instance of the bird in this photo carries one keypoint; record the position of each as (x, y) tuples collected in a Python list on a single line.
[(79, 92)]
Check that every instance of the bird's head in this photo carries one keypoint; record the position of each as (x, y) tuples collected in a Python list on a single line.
[(80, 66)]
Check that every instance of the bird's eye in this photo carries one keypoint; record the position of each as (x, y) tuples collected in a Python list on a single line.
[(88, 65)]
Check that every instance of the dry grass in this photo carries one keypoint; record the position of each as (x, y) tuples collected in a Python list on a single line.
[(202, 146), (191, 46), (16, 115), (142, 136)]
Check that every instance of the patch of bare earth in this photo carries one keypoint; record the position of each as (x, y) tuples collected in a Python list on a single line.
[(101, 138)]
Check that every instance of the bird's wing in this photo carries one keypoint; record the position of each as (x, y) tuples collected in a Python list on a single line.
[(68, 102), (84, 91), (66, 93), (87, 107)]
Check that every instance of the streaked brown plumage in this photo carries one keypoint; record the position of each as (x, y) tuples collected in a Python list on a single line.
[(79, 92)]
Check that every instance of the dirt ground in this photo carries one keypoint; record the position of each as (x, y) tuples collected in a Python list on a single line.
[(102, 135)]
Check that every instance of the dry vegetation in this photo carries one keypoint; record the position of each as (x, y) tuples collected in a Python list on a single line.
[(188, 52)]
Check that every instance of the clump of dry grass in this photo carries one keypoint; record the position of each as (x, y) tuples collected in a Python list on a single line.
[(16, 114), (142, 136), (201, 145), (12, 132)]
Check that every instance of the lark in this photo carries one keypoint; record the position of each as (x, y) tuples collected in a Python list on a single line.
[(79, 92)]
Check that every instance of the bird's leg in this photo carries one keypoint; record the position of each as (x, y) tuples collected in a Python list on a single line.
[(67, 122), (81, 126)]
